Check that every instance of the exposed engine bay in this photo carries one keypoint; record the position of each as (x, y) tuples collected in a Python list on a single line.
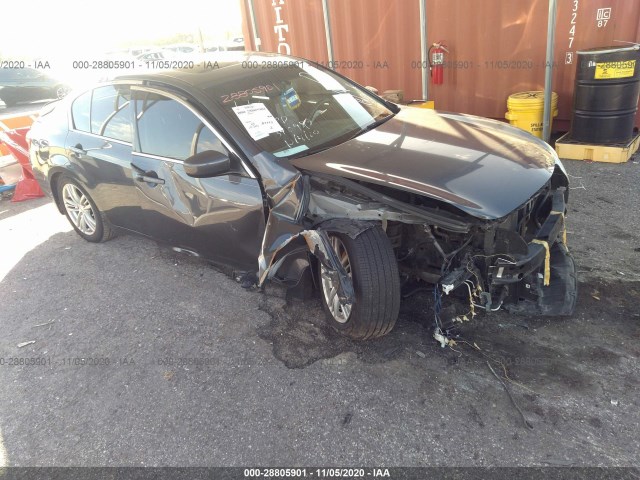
[(519, 263)]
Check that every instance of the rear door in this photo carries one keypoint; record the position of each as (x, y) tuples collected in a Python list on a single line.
[(99, 148), (220, 218), (32, 86)]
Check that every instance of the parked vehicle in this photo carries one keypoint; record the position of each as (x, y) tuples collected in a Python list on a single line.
[(18, 85), (155, 55), (229, 47), (182, 48), (289, 171), (137, 51)]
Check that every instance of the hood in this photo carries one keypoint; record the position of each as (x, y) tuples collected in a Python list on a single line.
[(484, 167)]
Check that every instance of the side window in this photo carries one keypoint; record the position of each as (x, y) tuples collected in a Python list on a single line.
[(81, 112), (104, 103), (110, 113), (207, 140), (30, 73), (169, 129), (119, 125), (10, 75)]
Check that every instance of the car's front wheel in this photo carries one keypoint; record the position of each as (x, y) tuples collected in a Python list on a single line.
[(370, 262), (82, 213)]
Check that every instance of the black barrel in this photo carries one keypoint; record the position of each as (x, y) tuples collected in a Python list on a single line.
[(605, 100)]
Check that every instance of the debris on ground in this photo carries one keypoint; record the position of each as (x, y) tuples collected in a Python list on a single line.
[(44, 324), (513, 401), (444, 341)]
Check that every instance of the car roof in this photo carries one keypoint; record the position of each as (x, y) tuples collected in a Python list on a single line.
[(208, 69)]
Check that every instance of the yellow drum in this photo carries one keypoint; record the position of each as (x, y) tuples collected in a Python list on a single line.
[(526, 110)]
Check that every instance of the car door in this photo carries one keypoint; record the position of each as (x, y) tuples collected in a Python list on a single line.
[(220, 218), (11, 81), (99, 146), (32, 87)]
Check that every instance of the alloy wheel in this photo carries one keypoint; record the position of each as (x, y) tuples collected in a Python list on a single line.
[(339, 311), (79, 209), (61, 92)]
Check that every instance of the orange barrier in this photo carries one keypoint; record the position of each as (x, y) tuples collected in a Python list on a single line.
[(13, 131), (13, 122)]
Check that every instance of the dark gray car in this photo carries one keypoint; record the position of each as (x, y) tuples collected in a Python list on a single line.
[(21, 85), (286, 171)]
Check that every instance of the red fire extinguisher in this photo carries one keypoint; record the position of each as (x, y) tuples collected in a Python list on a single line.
[(436, 62)]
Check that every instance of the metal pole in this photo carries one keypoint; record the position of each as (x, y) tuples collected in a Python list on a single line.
[(423, 49), (327, 30), (200, 40), (254, 26), (548, 74)]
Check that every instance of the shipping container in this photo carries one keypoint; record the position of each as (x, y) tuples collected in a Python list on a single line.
[(496, 47)]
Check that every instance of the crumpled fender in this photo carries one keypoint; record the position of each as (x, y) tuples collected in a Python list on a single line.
[(317, 242), (287, 192)]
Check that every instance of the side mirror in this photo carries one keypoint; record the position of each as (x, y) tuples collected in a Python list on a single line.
[(207, 164)]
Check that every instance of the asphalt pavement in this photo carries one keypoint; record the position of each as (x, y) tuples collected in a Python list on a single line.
[(136, 355)]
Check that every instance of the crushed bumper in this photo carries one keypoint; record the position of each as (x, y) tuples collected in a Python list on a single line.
[(505, 271), (544, 279), (557, 296)]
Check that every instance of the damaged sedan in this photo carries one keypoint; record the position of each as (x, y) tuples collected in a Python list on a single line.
[(285, 171)]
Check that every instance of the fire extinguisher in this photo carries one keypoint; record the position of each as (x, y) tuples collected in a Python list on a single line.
[(436, 62)]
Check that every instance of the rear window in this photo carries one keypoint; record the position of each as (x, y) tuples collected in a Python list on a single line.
[(81, 112), (105, 111), (110, 112)]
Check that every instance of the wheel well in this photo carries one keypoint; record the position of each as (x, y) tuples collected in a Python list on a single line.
[(54, 190)]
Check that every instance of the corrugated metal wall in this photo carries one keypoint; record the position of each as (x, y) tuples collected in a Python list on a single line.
[(497, 47), (299, 23), (376, 41)]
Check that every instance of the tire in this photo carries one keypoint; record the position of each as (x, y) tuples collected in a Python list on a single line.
[(60, 91), (376, 281), (83, 214)]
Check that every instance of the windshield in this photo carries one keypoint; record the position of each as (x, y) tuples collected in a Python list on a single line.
[(295, 109)]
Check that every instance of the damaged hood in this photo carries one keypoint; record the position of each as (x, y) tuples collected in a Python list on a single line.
[(484, 167)]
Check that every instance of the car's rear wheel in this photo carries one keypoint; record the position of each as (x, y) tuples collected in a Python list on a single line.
[(61, 91), (82, 213), (370, 262)]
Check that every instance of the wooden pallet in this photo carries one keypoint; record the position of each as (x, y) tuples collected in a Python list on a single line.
[(620, 153)]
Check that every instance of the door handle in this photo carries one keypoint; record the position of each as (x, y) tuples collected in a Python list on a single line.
[(148, 179), (78, 150)]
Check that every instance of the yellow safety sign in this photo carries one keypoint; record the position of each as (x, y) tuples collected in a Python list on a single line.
[(607, 70)]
